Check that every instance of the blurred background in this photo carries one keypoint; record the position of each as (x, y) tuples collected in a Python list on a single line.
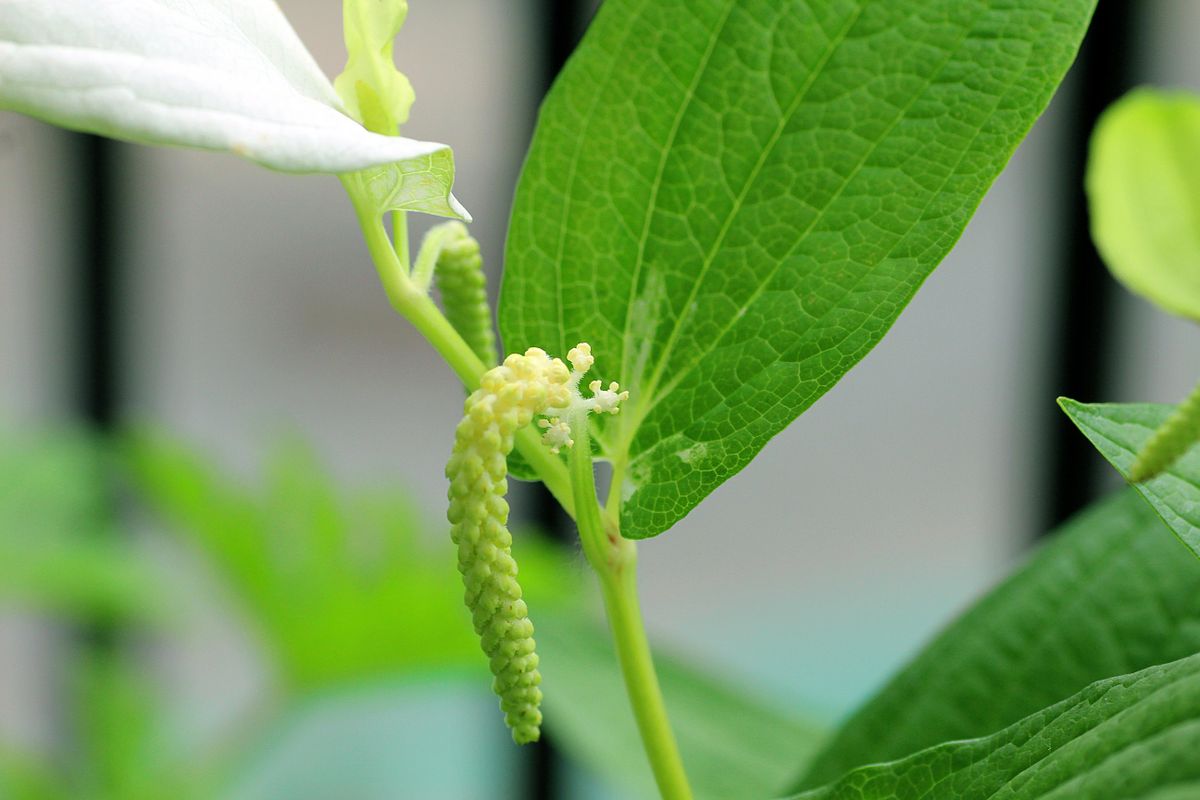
[(215, 595)]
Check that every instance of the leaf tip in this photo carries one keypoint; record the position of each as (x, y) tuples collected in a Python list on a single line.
[(1068, 405), (459, 209)]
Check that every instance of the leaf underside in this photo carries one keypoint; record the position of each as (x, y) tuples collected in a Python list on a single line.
[(732, 201), (207, 74), (1111, 593), (1119, 431)]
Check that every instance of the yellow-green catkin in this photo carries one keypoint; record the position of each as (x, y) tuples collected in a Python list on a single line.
[(1170, 441), (463, 286), (509, 397)]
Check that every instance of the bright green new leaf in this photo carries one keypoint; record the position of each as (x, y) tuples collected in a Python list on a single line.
[(732, 201), (732, 744), (1143, 185), (1111, 593), (1133, 736), (1119, 431), (209, 74), (374, 91)]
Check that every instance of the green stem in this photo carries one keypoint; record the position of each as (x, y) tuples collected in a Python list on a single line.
[(415, 306), (400, 237), (1173, 438), (614, 559)]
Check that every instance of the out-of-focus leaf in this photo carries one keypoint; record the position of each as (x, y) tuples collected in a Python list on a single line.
[(1143, 185), (24, 777), (339, 586), (1112, 592), (733, 744), (129, 754), (208, 74), (374, 91), (371, 742), (1119, 431), (59, 550)]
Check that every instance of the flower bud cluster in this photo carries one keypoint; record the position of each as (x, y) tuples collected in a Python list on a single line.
[(463, 286), (508, 398), (557, 428)]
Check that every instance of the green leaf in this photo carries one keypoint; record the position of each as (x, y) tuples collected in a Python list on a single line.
[(124, 736), (59, 551), (26, 777), (374, 91), (733, 200), (1143, 185), (1111, 593), (733, 745), (208, 74), (1119, 432), (340, 586), (1132, 736)]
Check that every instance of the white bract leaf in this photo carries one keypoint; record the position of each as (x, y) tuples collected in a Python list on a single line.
[(226, 75)]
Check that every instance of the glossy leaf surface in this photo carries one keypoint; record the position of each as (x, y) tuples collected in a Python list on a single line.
[(1111, 593), (733, 200), (1132, 736), (1119, 431)]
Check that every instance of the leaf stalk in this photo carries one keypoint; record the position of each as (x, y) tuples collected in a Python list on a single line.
[(416, 306), (614, 558)]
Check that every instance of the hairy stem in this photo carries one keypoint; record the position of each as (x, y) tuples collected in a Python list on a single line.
[(415, 306), (1173, 438), (614, 559)]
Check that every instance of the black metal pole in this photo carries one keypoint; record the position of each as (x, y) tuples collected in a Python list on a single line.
[(95, 221), (1085, 296)]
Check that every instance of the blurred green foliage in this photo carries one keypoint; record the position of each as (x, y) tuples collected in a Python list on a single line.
[(339, 587), (56, 521), (353, 594)]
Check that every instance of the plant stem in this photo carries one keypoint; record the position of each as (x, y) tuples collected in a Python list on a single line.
[(415, 306), (400, 237), (614, 559)]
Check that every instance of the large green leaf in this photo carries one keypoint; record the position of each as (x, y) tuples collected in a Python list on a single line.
[(733, 745), (1118, 431), (732, 201), (1132, 736), (1111, 593), (1143, 184)]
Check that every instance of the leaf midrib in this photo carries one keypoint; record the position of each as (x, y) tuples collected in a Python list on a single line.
[(652, 206), (641, 415), (1106, 721), (563, 227), (735, 209)]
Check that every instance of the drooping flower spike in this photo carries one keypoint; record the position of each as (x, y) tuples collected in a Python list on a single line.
[(508, 399), (450, 258)]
